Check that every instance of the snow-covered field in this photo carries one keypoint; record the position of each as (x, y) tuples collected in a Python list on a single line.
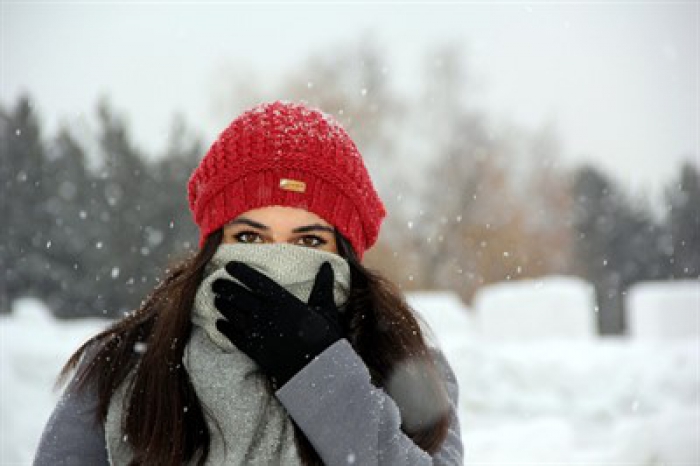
[(551, 400)]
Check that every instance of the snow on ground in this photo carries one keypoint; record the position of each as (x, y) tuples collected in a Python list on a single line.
[(33, 348), (537, 387), (545, 401)]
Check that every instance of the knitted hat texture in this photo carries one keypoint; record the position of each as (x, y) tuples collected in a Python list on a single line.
[(286, 154)]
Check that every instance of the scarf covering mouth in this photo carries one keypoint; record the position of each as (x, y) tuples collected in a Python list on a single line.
[(292, 267), (246, 421)]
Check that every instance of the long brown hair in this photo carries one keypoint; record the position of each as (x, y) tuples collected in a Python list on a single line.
[(165, 423)]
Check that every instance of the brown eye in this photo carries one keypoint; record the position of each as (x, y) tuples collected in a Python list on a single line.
[(311, 241), (248, 237)]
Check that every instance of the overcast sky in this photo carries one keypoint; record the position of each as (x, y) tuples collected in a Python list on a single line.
[(619, 80)]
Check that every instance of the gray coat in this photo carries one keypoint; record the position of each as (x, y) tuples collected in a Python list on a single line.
[(346, 418)]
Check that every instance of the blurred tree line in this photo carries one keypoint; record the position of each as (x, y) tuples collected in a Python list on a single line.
[(89, 240), (89, 225)]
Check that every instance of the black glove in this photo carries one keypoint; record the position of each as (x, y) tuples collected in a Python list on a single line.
[(272, 326)]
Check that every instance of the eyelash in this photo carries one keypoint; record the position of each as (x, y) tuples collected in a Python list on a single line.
[(240, 235), (318, 241)]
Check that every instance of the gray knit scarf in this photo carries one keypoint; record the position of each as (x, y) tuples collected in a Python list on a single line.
[(248, 425)]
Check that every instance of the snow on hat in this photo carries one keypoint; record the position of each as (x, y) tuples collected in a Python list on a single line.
[(286, 154)]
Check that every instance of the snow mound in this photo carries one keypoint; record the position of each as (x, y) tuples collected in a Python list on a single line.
[(444, 316), (658, 310), (547, 308), (32, 310)]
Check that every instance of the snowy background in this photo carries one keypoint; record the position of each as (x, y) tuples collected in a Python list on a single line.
[(551, 393)]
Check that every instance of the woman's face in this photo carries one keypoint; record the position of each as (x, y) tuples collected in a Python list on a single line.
[(281, 224)]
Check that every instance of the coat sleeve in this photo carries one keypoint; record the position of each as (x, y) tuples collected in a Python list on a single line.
[(72, 436), (350, 421)]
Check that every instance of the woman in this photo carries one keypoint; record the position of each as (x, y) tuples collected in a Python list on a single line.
[(272, 344)]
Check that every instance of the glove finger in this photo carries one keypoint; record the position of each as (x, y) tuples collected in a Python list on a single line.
[(232, 332), (256, 281), (243, 304), (224, 286), (228, 288), (224, 306), (322, 292)]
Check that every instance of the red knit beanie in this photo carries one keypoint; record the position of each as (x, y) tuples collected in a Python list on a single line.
[(286, 154)]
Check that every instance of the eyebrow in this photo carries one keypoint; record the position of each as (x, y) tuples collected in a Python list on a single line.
[(260, 226), (248, 222), (308, 228)]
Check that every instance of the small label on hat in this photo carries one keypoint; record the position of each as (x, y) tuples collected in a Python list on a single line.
[(293, 185)]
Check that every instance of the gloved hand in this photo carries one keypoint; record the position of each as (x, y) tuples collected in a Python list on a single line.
[(272, 326)]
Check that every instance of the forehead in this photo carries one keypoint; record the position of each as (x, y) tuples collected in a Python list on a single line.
[(282, 215)]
